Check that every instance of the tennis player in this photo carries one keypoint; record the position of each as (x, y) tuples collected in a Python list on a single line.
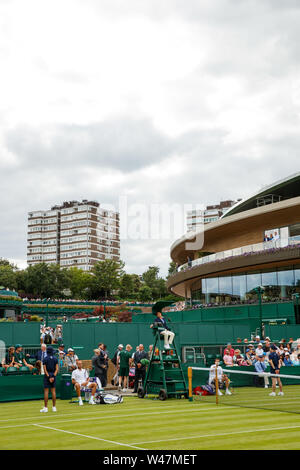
[(275, 363), (222, 378)]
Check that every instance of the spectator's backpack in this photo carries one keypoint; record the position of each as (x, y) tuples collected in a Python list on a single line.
[(47, 339), (107, 399)]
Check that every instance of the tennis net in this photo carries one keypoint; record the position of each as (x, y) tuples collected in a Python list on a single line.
[(247, 389)]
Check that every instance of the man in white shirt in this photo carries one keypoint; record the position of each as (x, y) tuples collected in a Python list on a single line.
[(81, 381), (259, 350), (222, 378)]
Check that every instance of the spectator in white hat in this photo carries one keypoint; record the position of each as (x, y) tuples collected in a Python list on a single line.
[(259, 350), (71, 360)]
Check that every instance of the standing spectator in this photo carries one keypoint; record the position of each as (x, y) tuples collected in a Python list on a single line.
[(40, 356), (257, 339), (100, 364), (114, 360), (124, 362), (140, 369), (96, 365), (58, 338), (150, 351), (50, 365), (266, 347), (47, 336), (71, 360)]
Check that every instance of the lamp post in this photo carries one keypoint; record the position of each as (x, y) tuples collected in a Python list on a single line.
[(297, 305), (259, 290), (47, 312)]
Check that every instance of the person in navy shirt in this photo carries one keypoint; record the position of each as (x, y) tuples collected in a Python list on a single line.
[(50, 365), (275, 364), (166, 332)]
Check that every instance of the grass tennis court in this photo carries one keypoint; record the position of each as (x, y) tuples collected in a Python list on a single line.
[(155, 425)]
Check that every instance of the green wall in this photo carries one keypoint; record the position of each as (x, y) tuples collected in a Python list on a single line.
[(13, 333), (242, 314)]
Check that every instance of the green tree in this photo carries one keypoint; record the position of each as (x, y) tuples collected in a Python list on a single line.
[(106, 278), (144, 294), (8, 277), (154, 282), (172, 269), (46, 280), (78, 282), (126, 286)]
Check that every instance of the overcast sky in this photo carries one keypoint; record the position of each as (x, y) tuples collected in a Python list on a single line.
[(154, 102)]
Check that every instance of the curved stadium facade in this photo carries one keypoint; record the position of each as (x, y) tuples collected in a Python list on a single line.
[(230, 259)]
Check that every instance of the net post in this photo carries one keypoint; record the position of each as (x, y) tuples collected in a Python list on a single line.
[(190, 376), (217, 386)]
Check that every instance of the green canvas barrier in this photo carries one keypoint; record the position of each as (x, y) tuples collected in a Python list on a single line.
[(13, 333)]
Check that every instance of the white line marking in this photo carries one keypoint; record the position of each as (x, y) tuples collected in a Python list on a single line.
[(220, 434), (120, 416), (89, 437), (84, 413)]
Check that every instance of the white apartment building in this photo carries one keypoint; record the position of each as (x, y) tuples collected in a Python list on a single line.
[(197, 218), (73, 234)]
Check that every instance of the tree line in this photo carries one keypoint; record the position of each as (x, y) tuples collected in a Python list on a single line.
[(107, 279)]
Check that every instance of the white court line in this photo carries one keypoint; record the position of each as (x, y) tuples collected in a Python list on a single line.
[(83, 413), (88, 437), (209, 408), (200, 436), (227, 409)]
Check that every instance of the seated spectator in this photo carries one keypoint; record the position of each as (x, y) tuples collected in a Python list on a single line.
[(20, 358), (259, 350), (229, 350), (295, 353), (239, 358), (260, 366), (287, 360), (81, 381), (296, 361), (248, 357), (228, 360), (61, 349), (61, 359), (71, 360), (40, 356), (9, 360)]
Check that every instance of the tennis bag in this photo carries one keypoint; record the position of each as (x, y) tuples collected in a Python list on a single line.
[(204, 390), (107, 399)]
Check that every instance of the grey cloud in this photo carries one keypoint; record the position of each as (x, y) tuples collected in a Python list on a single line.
[(123, 144)]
